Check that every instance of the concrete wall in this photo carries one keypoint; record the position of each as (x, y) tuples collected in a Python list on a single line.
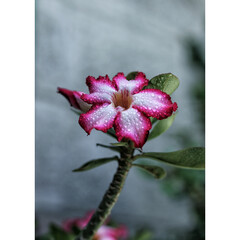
[(77, 38)]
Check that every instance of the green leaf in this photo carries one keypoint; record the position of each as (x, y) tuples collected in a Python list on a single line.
[(153, 120), (166, 82), (161, 127), (193, 158), (155, 171), (131, 75), (95, 163), (120, 144), (113, 148), (143, 235)]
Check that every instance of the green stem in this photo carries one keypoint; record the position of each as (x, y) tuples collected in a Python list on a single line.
[(110, 197)]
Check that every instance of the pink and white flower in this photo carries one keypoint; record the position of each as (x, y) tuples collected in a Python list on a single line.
[(104, 232), (121, 104)]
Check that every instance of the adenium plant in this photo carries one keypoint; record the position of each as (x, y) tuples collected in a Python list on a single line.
[(127, 108)]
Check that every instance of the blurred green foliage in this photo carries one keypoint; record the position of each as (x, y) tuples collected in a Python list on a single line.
[(180, 182), (56, 233)]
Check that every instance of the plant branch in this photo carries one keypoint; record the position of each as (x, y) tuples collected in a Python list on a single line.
[(111, 195)]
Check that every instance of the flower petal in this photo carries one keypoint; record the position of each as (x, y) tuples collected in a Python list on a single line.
[(154, 103), (101, 90), (133, 125), (84, 106), (77, 222), (74, 99), (105, 238), (133, 86), (100, 117), (100, 85), (121, 231), (105, 232), (97, 98), (68, 94)]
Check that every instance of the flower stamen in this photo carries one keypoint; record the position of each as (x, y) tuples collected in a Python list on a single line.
[(123, 99)]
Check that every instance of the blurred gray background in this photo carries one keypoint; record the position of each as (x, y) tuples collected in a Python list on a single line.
[(77, 38)]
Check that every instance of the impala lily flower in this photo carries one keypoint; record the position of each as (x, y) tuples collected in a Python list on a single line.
[(74, 99), (121, 104), (104, 232)]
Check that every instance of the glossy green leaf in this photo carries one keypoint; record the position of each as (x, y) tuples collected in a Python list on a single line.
[(155, 171), (193, 158), (161, 127), (166, 82), (113, 148), (95, 163), (131, 75)]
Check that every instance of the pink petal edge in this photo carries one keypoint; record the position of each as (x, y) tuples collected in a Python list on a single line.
[(154, 103), (101, 84), (68, 94)]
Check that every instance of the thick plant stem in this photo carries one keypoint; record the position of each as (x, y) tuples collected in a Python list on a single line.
[(110, 197)]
